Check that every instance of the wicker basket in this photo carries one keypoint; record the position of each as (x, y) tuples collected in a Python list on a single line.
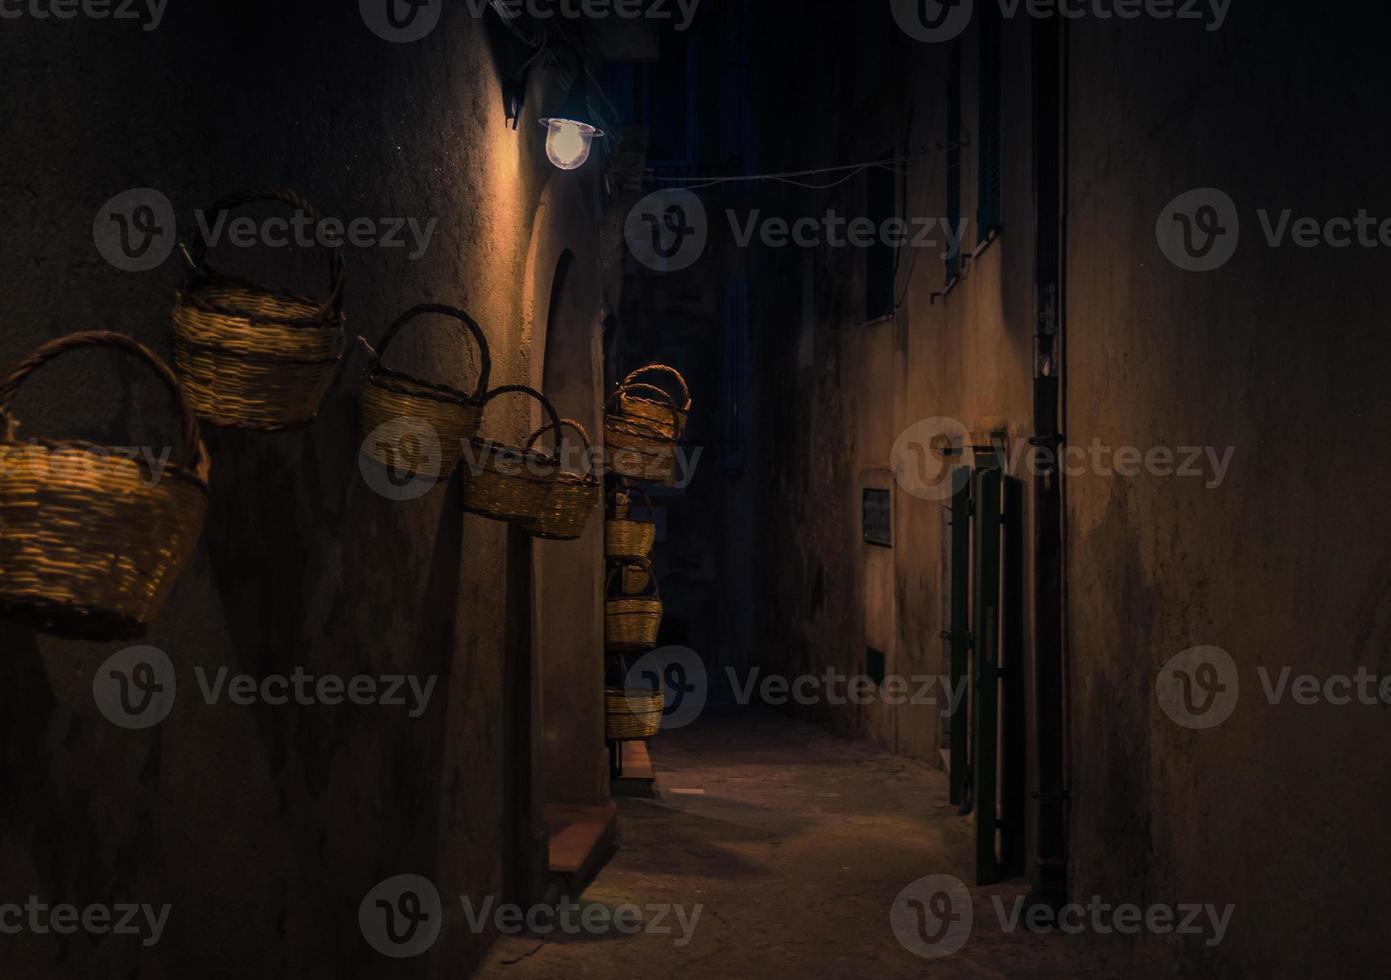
[(509, 483), (573, 498), (393, 407), (636, 448), (624, 537), (252, 357), (632, 620), (632, 715), (666, 415), (90, 542)]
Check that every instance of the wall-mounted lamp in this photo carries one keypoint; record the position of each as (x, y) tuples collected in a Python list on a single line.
[(571, 129)]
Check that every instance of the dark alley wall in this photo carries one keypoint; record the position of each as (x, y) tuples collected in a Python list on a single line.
[(1281, 355), (265, 827)]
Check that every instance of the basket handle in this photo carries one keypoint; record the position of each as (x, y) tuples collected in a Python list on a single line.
[(41, 355), (645, 564), (629, 489), (485, 358), (545, 403), (662, 369), (199, 257), (639, 386), (566, 424)]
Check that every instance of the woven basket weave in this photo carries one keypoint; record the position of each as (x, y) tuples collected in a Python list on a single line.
[(573, 499), (637, 448), (625, 537), (251, 357), (667, 416), (394, 407), (508, 483), (631, 621), (632, 715), (90, 542)]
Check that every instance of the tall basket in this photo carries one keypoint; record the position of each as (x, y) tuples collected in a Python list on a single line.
[(91, 539), (415, 427), (509, 483), (574, 497), (639, 448), (632, 619), (666, 415), (252, 357)]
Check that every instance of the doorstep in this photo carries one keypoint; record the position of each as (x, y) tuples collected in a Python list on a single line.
[(582, 838)]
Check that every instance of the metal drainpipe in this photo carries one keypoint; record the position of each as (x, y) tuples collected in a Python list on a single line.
[(1049, 96)]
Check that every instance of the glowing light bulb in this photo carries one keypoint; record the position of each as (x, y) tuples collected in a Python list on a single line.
[(568, 142)]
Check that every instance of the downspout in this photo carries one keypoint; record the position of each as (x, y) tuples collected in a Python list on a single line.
[(1049, 105)]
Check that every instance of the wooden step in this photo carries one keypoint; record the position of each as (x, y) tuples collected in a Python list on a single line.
[(581, 840)]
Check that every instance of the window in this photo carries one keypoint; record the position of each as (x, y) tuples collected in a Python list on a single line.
[(878, 519), (988, 141)]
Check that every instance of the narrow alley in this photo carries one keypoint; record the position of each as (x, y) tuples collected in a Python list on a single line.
[(794, 845)]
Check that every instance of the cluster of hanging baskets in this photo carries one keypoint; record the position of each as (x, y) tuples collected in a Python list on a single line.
[(643, 423), (632, 616)]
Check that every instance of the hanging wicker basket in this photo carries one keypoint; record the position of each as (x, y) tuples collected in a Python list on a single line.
[(509, 483), (623, 536), (574, 497), (631, 619), (630, 715), (395, 409), (252, 357), (665, 415), (91, 541), (637, 448)]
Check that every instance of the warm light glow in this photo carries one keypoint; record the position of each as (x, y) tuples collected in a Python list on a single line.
[(568, 142)]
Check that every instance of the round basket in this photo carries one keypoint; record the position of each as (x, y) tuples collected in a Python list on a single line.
[(635, 448), (624, 537), (91, 541), (632, 715), (667, 416), (394, 407), (509, 483), (574, 497), (631, 620), (251, 357)]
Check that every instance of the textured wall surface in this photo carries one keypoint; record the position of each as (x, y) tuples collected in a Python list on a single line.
[(1281, 355), (265, 827)]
